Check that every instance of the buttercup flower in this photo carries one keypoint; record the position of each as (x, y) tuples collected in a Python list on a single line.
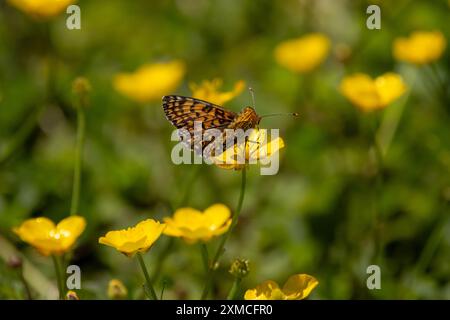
[(41, 8), (257, 149), (134, 239), (370, 94), (209, 91), (49, 239), (303, 54), (193, 225), (420, 47), (150, 81), (297, 287), (117, 290)]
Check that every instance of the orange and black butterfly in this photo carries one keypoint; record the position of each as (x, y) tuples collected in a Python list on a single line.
[(182, 112)]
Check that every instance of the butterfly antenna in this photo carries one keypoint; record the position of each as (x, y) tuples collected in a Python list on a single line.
[(294, 114), (252, 93)]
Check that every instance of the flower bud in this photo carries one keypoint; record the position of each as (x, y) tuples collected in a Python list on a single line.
[(343, 52), (239, 268), (81, 88), (14, 262), (117, 290), (71, 295)]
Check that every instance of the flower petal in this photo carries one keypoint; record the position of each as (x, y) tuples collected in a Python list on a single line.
[(209, 91), (299, 286), (32, 229), (268, 290), (152, 229), (193, 225), (216, 216), (390, 86), (360, 89), (42, 8), (135, 239), (303, 54), (150, 81), (420, 47), (69, 230)]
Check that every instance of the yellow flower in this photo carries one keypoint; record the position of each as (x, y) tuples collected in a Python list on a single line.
[(303, 54), (257, 149), (420, 47), (370, 94), (117, 290), (297, 287), (193, 225), (49, 239), (41, 8), (135, 239), (150, 81), (209, 91)]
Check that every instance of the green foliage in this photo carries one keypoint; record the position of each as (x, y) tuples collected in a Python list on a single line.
[(315, 216)]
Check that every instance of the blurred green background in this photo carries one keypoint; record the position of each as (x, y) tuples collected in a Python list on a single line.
[(315, 216)]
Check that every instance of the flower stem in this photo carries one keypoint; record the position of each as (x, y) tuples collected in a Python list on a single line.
[(27, 288), (377, 219), (431, 244), (78, 161), (389, 124), (442, 85), (205, 259), (429, 250), (59, 278), (148, 282), (220, 249), (234, 288), (162, 257)]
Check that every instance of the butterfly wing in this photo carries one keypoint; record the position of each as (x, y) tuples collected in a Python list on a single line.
[(182, 112)]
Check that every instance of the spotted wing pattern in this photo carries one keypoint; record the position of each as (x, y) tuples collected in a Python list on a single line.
[(182, 112)]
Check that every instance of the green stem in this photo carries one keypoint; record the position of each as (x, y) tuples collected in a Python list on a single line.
[(162, 257), (147, 277), (78, 161), (432, 244), (389, 125), (220, 249), (439, 79), (428, 251), (59, 278), (164, 284), (436, 87), (442, 86), (25, 285), (234, 289), (377, 219), (205, 258)]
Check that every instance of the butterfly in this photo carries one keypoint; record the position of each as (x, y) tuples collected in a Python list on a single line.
[(182, 112)]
